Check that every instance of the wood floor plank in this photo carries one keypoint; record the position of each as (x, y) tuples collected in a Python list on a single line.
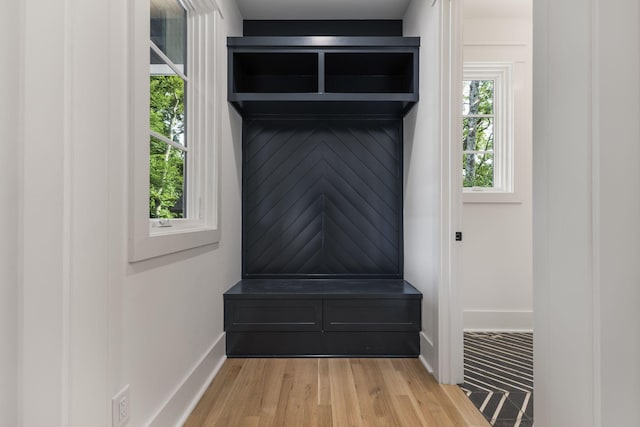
[(470, 414), (270, 392), (331, 392), (216, 396), (285, 397), (345, 408), (375, 402), (424, 390), (324, 386)]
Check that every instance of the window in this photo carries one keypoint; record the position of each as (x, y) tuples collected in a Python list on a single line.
[(487, 141), (174, 147), (168, 84)]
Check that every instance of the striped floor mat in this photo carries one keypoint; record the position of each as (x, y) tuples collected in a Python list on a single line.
[(498, 376)]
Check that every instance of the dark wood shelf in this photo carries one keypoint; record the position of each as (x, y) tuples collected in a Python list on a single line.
[(325, 288), (311, 75), (337, 42)]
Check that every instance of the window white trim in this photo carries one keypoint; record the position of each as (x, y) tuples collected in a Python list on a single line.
[(152, 238), (504, 188)]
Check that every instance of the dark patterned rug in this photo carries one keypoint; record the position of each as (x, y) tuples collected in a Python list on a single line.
[(498, 376)]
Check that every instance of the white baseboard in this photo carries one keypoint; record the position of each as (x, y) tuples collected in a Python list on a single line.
[(184, 399), (498, 320), (427, 352)]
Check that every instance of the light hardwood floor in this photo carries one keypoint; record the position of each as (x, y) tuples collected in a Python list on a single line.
[(331, 392)]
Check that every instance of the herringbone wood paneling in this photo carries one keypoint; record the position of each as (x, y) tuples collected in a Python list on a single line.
[(322, 198)]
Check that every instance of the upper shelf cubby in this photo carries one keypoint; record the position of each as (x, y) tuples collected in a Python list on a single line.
[(275, 72), (323, 75), (369, 72)]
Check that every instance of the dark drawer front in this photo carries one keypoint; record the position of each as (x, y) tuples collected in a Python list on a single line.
[(372, 315), (271, 315)]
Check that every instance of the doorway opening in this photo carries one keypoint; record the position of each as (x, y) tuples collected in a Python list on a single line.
[(496, 271)]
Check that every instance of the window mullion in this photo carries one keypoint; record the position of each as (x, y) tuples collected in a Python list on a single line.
[(167, 141), (481, 116), (168, 61), (477, 151)]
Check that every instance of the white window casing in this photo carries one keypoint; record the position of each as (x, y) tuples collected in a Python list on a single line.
[(150, 238), (501, 74)]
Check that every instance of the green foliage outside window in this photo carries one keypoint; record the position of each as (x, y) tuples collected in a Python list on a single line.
[(477, 133), (167, 163)]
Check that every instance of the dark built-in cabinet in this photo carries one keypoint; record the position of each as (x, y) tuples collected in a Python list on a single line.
[(322, 317), (322, 190), (323, 75)]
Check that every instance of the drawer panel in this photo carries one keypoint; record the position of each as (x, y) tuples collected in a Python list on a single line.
[(373, 344), (273, 315), (323, 344), (372, 315), (275, 344)]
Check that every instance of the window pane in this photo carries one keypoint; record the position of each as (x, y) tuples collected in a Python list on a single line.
[(160, 67), (477, 170), (477, 96), (166, 106), (169, 29), (477, 133), (167, 184)]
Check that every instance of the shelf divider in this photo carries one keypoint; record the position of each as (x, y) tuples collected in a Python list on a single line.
[(320, 72)]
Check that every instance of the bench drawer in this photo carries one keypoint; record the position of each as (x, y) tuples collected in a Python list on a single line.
[(372, 315), (273, 315)]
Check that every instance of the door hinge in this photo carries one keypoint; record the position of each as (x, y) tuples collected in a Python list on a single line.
[(458, 236)]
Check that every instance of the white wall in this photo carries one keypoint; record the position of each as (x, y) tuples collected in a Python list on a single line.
[(422, 176), (90, 321), (9, 214), (497, 248), (586, 210), (172, 311)]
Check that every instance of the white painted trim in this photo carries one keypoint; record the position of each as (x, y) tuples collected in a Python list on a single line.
[(595, 148), (20, 311), (493, 44), (425, 364), (447, 219), (177, 408), (450, 339), (498, 320), (542, 353), (202, 6), (426, 352), (488, 196), (68, 184)]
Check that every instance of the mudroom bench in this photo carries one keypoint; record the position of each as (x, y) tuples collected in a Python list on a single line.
[(322, 318)]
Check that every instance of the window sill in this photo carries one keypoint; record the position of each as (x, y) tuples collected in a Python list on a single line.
[(490, 197), (166, 240)]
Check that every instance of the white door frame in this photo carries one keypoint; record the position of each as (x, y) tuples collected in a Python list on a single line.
[(450, 293)]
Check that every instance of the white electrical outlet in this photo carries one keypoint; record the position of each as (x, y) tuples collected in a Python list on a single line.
[(120, 406)]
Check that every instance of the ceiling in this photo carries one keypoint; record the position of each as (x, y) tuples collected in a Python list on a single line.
[(323, 9)]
